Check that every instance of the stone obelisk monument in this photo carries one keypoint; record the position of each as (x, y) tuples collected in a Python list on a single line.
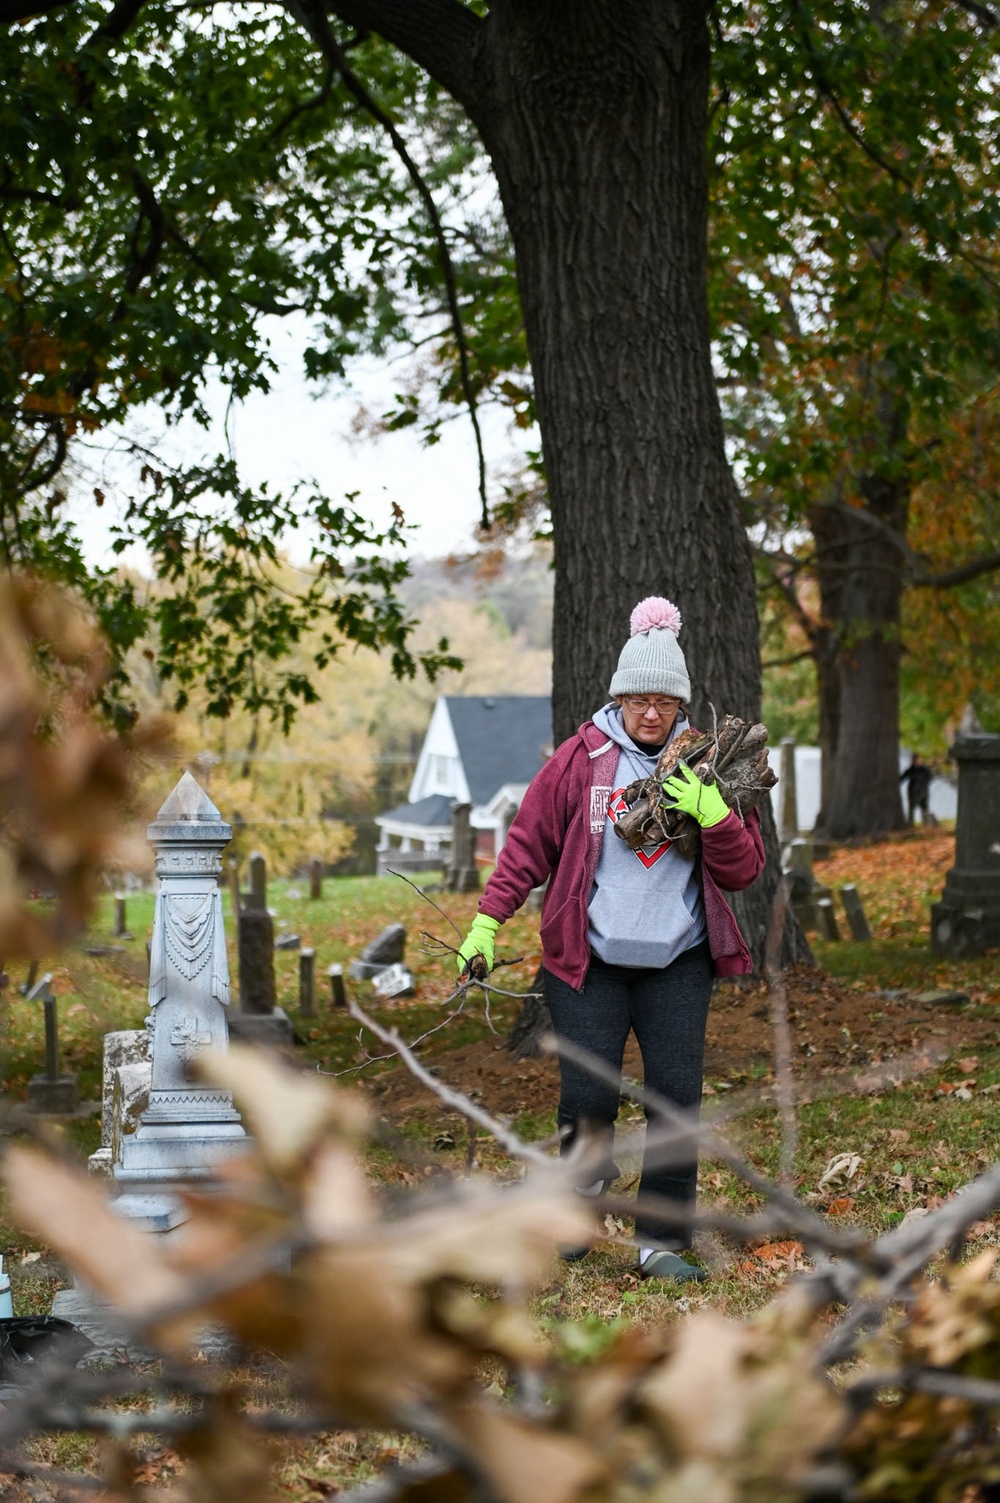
[(187, 1125)]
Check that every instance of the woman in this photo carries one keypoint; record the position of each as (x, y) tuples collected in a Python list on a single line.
[(631, 940)]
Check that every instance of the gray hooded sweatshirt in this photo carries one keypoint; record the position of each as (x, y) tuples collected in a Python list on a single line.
[(645, 906)]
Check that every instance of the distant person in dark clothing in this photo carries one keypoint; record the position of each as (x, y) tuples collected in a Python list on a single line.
[(917, 778)]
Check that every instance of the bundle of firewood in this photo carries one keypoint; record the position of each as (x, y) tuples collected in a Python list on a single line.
[(734, 757)]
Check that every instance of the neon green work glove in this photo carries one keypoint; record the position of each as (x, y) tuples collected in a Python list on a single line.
[(478, 941), (702, 801)]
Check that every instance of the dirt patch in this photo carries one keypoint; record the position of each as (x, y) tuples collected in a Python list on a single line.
[(843, 1038), (844, 1035)]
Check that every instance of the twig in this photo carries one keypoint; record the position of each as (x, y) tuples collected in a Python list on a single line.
[(508, 1140), (781, 1031), (446, 916), (374, 1059)]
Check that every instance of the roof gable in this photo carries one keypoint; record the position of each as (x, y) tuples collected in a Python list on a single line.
[(501, 738)]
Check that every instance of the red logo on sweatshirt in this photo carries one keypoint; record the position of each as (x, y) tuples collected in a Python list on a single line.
[(616, 808)]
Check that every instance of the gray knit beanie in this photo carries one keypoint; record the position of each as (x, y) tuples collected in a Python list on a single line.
[(651, 661)]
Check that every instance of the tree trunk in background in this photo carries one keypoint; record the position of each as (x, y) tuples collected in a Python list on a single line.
[(596, 126), (861, 572)]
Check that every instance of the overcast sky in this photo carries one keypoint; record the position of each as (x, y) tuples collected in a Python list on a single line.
[(289, 435)]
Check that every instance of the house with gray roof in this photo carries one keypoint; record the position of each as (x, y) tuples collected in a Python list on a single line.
[(481, 750)]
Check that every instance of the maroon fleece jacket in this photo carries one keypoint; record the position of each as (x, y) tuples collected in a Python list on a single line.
[(557, 834)]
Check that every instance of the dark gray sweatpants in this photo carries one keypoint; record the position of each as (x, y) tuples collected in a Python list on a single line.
[(667, 1010)]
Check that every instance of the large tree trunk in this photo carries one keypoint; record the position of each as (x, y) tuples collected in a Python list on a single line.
[(597, 128)]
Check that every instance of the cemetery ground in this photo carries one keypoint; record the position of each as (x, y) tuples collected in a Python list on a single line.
[(905, 1088)]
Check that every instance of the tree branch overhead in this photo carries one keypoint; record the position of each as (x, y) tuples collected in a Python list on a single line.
[(441, 36)]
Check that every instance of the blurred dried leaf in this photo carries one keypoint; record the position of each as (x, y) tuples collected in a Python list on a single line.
[(67, 784)]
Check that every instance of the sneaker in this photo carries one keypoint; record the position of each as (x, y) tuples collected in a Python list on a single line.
[(670, 1265), (575, 1254)]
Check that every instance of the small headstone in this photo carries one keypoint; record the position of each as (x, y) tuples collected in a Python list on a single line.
[(463, 873), (789, 824), (851, 900), (307, 983), (338, 996), (316, 878), (804, 891), (395, 981), (256, 955), (942, 999), (51, 1093), (826, 919), (386, 948), (121, 922), (257, 896), (287, 942)]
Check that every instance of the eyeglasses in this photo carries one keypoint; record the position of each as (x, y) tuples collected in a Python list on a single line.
[(639, 704)]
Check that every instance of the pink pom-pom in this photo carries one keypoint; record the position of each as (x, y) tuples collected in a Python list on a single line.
[(654, 612)]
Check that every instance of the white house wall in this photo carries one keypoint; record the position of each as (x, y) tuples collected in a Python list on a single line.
[(943, 799), (438, 767)]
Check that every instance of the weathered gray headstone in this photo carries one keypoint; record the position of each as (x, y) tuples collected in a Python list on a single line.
[(121, 921), (257, 896), (338, 996), (851, 900), (125, 1093), (395, 981), (315, 878), (307, 982), (51, 1093), (967, 919), (805, 891), (384, 950), (826, 919), (256, 956), (186, 1126), (463, 873), (789, 823)]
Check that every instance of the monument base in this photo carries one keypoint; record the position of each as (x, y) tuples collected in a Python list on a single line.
[(111, 1336), (57, 1098), (959, 932), (271, 1028)]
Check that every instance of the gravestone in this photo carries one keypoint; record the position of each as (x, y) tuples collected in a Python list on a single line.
[(51, 1092), (186, 1125), (966, 921), (789, 822), (338, 996), (805, 891), (384, 950), (463, 873), (125, 1094), (315, 878), (258, 1019), (121, 922), (307, 982), (826, 919), (851, 900)]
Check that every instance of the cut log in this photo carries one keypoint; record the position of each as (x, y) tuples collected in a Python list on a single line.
[(734, 758)]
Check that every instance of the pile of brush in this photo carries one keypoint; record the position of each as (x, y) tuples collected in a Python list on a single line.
[(734, 757)]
